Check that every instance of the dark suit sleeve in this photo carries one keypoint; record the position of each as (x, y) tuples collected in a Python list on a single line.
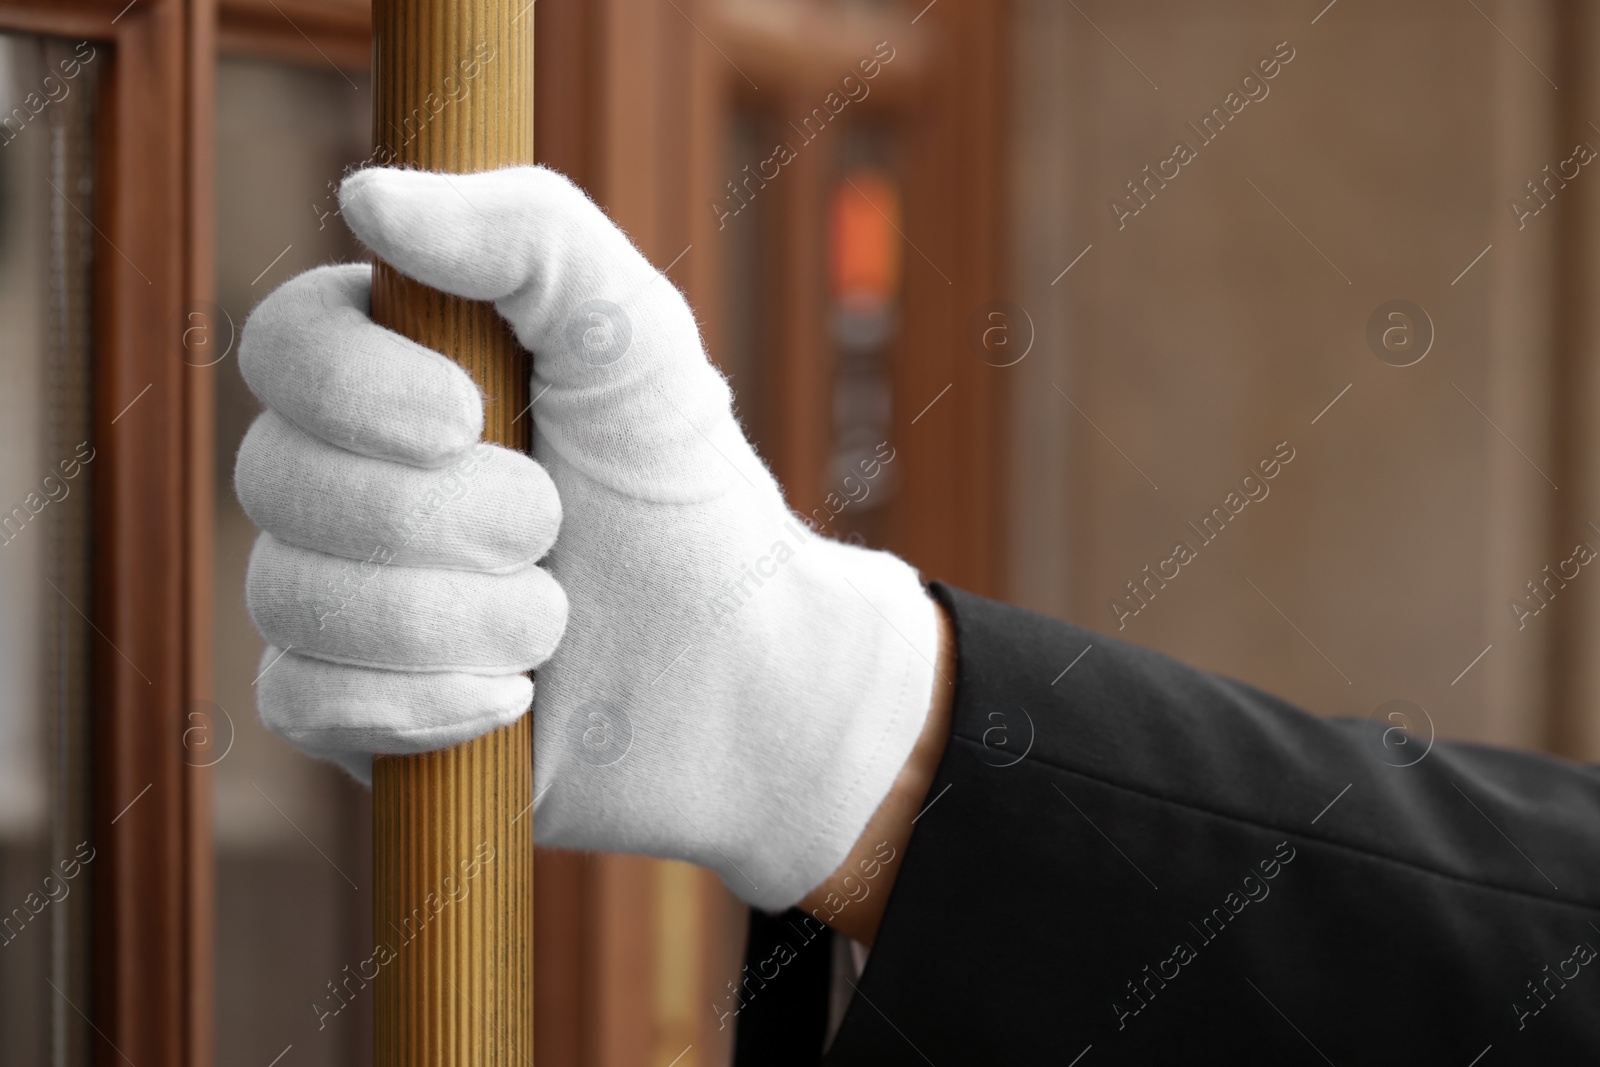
[(1137, 862)]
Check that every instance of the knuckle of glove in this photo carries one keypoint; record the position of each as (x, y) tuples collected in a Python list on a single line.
[(310, 352), (326, 708), (492, 510), (403, 618)]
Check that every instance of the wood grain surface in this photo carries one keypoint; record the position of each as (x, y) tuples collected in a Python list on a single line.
[(452, 841)]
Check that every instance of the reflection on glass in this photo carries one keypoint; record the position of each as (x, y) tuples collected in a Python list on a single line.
[(292, 849), (46, 469), (863, 318)]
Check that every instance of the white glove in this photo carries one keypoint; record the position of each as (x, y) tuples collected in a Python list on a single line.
[(731, 689)]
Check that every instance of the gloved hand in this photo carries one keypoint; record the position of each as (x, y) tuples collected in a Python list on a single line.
[(729, 689)]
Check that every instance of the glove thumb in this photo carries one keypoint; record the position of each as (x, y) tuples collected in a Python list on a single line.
[(623, 387)]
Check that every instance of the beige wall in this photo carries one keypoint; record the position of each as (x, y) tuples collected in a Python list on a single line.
[(1215, 324)]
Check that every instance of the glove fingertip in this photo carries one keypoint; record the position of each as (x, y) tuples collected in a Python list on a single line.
[(387, 208)]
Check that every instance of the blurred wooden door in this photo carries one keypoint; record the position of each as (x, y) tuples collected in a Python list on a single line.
[(220, 129)]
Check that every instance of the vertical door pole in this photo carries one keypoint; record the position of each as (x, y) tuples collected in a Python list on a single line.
[(452, 830)]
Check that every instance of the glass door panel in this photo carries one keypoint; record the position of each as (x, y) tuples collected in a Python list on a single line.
[(47, 93)]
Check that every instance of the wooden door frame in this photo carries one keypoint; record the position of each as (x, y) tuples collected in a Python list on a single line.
[(151, 934), (946, 91)]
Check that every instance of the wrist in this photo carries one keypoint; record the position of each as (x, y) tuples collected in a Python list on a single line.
[(770, 725), (852, 899), (849, 648)]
